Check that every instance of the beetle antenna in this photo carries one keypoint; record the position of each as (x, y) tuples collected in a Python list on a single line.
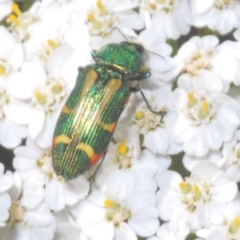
[(161, 113), (120, 33), (139, 43), (155, 54)]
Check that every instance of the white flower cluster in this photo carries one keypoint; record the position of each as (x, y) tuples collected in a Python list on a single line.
[(135, 194)]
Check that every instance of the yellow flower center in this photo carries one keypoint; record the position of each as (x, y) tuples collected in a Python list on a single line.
[(14, 17), (115, 213), (91, 17), (122, 149), (100, 6), (139, 115), (16, 213), (235, 226), (191, 100), (41, 98), (16, 10), (204, 110), (196, 193), (95, 23), (108, 203), (238, 153), (52, 44), (57, 88), (185, 187), (2, 70), (222, 4)]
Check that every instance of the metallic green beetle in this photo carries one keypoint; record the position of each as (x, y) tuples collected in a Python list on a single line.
[(90, 114)]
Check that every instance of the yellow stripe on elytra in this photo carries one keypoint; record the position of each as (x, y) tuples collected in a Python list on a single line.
[(87, 149), (67, 110), (81, 113), (62, 139), (112, 86), (108, 126), (89, 81)]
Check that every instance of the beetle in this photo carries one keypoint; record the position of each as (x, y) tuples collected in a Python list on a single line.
[(88, 118)]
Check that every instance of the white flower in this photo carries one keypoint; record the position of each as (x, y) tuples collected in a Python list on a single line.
[(126, 153), (231, 157), (39, 58), (199, 199), (67, 228), (29, 194), (155, 128), (41, 20), (48, 34), (218, 15), (5, 203), (172, 231), (144, 167), (11, 54), (20, 23), (214, 156), (230, 229), (156, 56), (39, 223), (33, 193), (6, 182), (120, 213), (103, 18), (202, 65), (171, 17), (5, 8), (77, 36), (67, 192), (28, 215), (46, 91), (12, 112), (205, 120), (13, 117), (233, 48), (126, 156), (32, 161)]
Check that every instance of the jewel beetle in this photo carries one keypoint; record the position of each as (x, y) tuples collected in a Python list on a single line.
[(91, 112)]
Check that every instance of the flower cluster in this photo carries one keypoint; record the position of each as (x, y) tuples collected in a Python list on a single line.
[(189, 107)]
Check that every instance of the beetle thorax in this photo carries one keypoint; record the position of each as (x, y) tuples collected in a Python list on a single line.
[(124, 57)]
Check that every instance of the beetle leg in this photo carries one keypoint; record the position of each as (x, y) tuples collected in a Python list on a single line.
[(135, 89), (113, 140), (140, 75), (92, 179)]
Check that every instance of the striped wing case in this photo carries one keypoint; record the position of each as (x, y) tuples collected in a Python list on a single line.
[(88, 119)]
